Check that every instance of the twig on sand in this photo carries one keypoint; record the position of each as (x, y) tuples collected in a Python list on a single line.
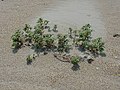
[(63, 58)]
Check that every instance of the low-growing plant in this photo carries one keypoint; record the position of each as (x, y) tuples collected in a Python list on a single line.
[(55, 28), (30, 58), (70, 32), (75, 32), (27, 28), (82, 36), (49, 40), (39, 29), (49, 29), (17, 39), (28, 33), (75, 60), (63, 43), (41, 40), (38, 41), (85, 32), (41, 25), (84, 44), (96, 46)]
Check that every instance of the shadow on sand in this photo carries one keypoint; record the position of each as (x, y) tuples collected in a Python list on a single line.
[(29, 62), (75, 67), (15, 50)]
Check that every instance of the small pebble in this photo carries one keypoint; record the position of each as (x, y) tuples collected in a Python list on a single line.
[(97, 68), (115, 57)]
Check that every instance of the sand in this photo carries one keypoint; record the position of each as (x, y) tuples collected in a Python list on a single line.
[(46, 72)]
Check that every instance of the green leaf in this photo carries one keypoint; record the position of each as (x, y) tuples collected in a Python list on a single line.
[(75, 60)]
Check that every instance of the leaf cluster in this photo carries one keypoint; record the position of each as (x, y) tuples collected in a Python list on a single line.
[(17, 39), (85, 41), (75, 59), (63, 43)]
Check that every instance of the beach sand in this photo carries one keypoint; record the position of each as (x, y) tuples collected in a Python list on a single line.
[(46, 72)]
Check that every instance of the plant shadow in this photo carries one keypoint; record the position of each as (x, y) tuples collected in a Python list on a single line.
[(15, 50), (75, 67), (29, 62), (95, 55), (43, 50), (37, 50), (103, 55), (81, 49), (90, 61)]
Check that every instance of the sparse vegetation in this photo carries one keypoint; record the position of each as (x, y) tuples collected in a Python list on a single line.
[(63, 43), (28, 34), (30, 58), (75, 59), (41, 40), (17, 39), (96, 46)]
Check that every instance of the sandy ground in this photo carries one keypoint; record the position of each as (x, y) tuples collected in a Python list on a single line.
[(47, 73)]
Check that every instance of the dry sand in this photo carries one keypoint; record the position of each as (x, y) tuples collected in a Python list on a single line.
[(47, 73)]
